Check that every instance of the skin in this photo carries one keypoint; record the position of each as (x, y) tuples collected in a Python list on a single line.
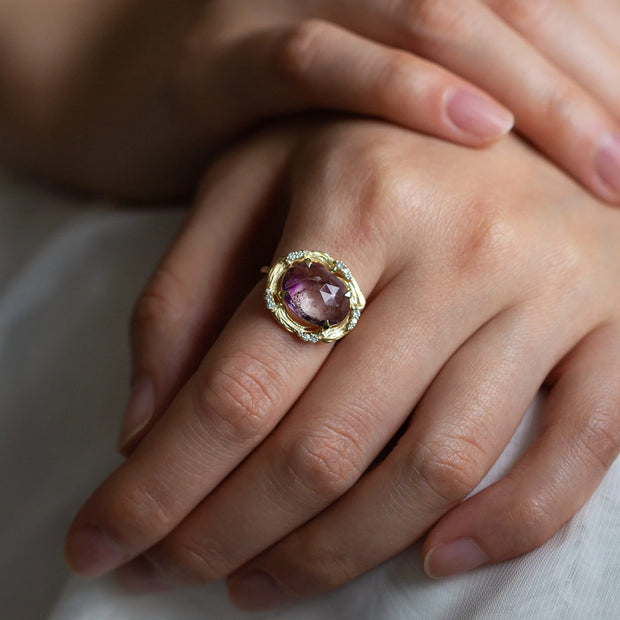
[(119, 98), (500, 275)]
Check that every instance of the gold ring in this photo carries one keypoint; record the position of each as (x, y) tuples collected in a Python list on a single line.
[(313, 296)]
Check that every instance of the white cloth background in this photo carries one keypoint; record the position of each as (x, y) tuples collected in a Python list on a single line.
[(69, 272)]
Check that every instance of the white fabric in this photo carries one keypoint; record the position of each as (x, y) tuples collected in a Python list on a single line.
[(69, 272)]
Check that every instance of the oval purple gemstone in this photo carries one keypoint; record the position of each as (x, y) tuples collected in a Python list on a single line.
[(315, 294)]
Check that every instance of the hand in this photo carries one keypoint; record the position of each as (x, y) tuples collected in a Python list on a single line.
[(95, 103), (486, 274)]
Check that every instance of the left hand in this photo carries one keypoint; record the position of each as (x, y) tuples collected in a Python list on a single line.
[(131, 97), (486, 274)]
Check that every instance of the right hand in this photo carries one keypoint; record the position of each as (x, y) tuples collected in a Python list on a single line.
[(149, 114)]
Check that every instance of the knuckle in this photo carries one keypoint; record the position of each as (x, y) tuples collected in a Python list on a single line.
[(326, 565), (298, 49), (485, 239), (393, 83), (161, 302), (570, 263), (237, 400), (326, 464), (449, 467), (532, 519), (524, 15), (425, 15), (557, 105), (194, 559), (599, 435), (432, 22), (138, 514)]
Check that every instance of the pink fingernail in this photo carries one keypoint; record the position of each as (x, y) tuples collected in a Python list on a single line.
[(91, 552), (607, 161), (139, 412), (477, 115), (257, 590), (454, 557)]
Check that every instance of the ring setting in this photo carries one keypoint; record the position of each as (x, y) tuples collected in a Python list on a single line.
[(313, 295)]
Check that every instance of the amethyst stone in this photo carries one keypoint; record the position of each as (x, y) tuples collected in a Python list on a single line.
[(315, 295)]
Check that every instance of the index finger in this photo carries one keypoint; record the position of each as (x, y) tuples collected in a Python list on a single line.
[(248, 380)]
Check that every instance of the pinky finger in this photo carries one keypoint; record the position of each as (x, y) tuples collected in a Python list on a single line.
[(579, 441), (321, 65)]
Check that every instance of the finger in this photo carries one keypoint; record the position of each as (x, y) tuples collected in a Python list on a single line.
[(182, 309), (325, 443), (319, 65), (579, 441), (550, 108), (229, 405), (247, 382), (604, 14), (458, 430), (591, 59)]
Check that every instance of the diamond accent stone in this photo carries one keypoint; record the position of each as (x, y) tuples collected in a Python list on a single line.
[(269, 300), (306, 337), (293, 256)]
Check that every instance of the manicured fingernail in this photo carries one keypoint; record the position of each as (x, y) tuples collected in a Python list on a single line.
[(451, 558), (607, 161), (91, 552), (141, 575), (478, 115), (139, 411), (255, 591)]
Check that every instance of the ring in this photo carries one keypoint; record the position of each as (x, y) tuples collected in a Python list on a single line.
[(313, 296)]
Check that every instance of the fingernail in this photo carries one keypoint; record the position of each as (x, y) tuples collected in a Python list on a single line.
[(91, 552), (478, 115), (138, 413), (607, 161), (454, 557), (140, 575), (255, 591)]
